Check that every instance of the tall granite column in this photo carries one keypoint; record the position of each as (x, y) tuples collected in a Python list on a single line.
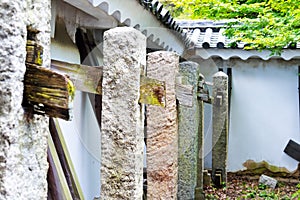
[(190, 136), (220, 128), (122, 125), (162, 130), (23, 137)]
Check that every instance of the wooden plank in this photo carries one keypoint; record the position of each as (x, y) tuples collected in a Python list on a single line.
[(65, 160), (89, 79), (152, 92), (48, 92), (184, 94), (85, 78), (34, 53), (61, 190), (293, 149)]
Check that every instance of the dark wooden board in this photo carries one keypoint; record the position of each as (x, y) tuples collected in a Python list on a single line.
[(47, 92), (293, 149)]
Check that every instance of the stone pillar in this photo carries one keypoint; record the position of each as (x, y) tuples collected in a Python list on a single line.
[(23, 137), (122, 126), (190, 136), (220, 128), (162, 130), (199, 195)]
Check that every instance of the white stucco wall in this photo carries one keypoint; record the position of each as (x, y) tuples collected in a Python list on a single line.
[(82, 136), (264, 112)]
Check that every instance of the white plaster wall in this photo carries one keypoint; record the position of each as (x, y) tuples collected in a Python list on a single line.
[(264, 112), (82, 134)]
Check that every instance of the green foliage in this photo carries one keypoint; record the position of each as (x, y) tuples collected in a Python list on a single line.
[(297, 194), (262, 24)]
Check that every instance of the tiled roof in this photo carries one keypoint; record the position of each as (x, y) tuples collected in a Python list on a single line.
[(162, 14), (205, 40), (209, 34)]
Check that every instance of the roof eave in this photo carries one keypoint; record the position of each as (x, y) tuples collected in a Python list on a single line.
[(226, 54), (131, 13)]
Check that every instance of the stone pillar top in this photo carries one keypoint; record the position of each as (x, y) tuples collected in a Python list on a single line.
[(220, 73)]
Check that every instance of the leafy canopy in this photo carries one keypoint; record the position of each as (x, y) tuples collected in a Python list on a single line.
[(262, 24)]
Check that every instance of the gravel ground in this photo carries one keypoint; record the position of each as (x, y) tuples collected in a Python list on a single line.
[(246, 187)]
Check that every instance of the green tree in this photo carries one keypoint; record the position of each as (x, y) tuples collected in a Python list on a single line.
[(262, 24)]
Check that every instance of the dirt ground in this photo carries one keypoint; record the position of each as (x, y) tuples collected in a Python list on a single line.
[(247, 187)]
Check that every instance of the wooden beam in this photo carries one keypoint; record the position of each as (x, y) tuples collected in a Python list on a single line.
[(89, 79), (85, 78), (184, 94), (47, 92), (152, 92), (34, 51)]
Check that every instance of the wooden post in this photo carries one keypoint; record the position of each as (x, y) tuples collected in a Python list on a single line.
[(162, 130), (220, 128), (122, 133), (190, 160)]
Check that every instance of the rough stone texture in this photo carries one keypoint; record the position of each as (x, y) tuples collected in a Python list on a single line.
[(122, 126), (199, 195), (23, 139), (162, 130), (220, 125), (190, 136), (268, 181)]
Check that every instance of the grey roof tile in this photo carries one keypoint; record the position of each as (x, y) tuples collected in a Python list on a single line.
[(164, 16), (209, 34)]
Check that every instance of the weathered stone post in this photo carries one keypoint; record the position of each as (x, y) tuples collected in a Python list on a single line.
[(122, 125), (23, 137), (220, 128), (162, 130), (190, 129), (199, 195)]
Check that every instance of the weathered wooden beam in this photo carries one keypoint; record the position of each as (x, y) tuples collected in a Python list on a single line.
[(85, 78), (47, 92), (152, 91), (184, 94), (89, 79), (34, 52)]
